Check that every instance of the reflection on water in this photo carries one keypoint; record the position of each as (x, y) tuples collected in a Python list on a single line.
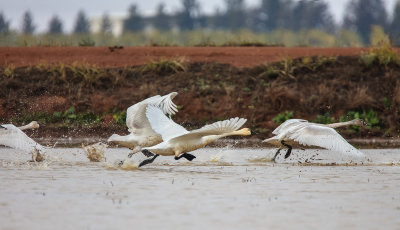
[(223, 188)]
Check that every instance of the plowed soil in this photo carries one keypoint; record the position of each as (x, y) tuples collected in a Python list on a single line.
[(133, 56)]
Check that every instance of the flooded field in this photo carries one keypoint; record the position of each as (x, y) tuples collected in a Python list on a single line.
[(223, 188)]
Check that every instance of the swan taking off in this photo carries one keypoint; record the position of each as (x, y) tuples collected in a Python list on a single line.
[(297, 131), (178, 141), (13, 137), (141, 133)]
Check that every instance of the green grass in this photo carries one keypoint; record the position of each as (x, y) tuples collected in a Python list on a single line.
[(71, 117), (324, 119), (199, 37), (164, 66), (382, 54), (369, 116), (282, 117)]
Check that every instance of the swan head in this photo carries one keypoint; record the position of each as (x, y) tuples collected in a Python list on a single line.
[(360, 122), (246, 132), (113, 137), (34, 125)]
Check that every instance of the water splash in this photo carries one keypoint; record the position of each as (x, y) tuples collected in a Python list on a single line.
[(126, 165), (129, 165), (95, 152), (219, 155)]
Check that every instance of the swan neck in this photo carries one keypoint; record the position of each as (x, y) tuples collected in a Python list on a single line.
[(25, 127), (341, 124)]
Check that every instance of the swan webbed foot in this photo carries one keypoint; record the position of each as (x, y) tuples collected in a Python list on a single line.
[(187, 156), (130, 154), (147, 153), (148, 161), (120, 163)]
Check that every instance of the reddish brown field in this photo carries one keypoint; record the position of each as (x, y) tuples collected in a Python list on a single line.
[(133, 56)]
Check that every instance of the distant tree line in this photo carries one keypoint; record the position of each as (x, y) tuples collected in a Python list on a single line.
[(360, 16)]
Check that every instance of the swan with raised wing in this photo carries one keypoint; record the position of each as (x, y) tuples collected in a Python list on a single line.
[(13, 137), (177, 141), (141, 133), (298, 131)]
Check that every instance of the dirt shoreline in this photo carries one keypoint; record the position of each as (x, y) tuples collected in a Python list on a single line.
[(214, 83)]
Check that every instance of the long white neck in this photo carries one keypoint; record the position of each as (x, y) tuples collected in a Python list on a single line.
[(118, 138), (28, 126), (241, 132), (342, 124)]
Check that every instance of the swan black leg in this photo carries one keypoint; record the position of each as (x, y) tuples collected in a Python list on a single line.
[(148, 161), (188, 156), (147, 153), (289, 151), (276, 154)]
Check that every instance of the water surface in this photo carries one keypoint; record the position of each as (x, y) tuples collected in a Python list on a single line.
[(223, 188)]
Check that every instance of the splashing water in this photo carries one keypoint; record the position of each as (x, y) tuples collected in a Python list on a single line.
[(95, 152), (221, 153)]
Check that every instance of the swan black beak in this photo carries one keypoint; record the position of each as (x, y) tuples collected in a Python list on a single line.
[(253, 133), (3, 127)]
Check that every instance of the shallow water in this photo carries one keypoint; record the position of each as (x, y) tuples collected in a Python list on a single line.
[(223, 188)]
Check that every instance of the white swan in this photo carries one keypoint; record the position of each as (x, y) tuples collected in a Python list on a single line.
[(178, 141), (297, 131), (13, 137), (141, 133)]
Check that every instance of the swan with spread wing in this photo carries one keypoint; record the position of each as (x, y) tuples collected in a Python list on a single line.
[(13, 137), (298, 131), (177, 141), (141, 134)]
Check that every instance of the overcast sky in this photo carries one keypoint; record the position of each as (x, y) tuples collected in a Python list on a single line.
[(43, 10)]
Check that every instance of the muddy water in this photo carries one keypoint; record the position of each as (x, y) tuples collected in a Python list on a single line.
[(223, 188)]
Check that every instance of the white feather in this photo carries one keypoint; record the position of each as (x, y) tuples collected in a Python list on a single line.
[(135, 114), (163, 125), (325, 137), (141, 133), (312, 134), (13, 137), (221, 127), (287, 124)]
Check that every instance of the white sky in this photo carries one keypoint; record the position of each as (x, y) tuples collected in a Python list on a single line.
[(43, 10)]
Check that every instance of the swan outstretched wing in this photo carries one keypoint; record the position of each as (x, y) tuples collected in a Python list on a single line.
[(13, 137), (322, 136), (287, 124), (163, 125), (221, 127), (165, 104), (136, 114)]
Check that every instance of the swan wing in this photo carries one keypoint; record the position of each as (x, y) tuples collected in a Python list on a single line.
[(221, 127), (287, 124), (165, 104), (217, 128), (13, 137), (163, 125), (136, 114), (322, 136)]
